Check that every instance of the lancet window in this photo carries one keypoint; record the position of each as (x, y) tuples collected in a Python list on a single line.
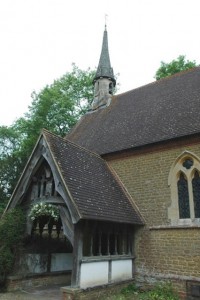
[(184, 180), (183, 197), (196, 193)]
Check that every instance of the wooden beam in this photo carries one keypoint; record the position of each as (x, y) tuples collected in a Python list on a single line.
[(77, 254)]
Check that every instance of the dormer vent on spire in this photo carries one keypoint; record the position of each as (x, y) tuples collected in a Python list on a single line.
[(104, 80)]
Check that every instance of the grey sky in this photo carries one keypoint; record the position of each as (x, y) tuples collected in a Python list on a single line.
[(41, 38)]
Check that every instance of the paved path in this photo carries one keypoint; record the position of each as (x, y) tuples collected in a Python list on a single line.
[(39, 293)]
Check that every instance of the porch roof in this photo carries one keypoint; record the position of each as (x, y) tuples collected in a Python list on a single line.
[(94, 189)]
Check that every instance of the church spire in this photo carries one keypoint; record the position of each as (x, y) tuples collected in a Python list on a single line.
[(104, 80), (104, 68)]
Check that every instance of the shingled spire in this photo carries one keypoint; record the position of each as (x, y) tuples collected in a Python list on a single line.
[(104, 80)]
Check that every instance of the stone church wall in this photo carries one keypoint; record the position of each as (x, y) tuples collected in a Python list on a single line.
[(162, 250), (169, 253)]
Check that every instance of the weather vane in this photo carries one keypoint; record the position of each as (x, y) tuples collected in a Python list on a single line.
[(106, 18)]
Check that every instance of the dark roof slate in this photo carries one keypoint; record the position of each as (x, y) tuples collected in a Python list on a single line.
[(96, 192), (160, 111)]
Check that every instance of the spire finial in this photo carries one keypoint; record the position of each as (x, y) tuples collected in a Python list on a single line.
[(106, 17)]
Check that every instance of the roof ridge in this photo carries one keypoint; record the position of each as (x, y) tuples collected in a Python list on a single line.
[(160, 80)]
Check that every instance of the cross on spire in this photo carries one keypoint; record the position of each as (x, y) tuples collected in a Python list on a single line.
[(106, 17)]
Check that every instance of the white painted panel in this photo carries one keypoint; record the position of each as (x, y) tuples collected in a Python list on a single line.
[(121, 270), (93, 274), (61, 262)]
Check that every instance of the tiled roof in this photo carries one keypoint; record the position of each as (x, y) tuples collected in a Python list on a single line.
[(94, 189), (160, 111)]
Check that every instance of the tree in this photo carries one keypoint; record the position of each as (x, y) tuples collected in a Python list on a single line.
[(9, 143), (57, 107), (175, 66)]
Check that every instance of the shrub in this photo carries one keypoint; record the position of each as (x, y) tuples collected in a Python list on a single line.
[(6, 261), (3, 204), (130, 289), (162, 291), (12, 226)]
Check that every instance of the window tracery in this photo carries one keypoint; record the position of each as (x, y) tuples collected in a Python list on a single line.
[(184, 181)]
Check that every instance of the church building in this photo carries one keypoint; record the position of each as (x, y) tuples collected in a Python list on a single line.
[(126, 183)]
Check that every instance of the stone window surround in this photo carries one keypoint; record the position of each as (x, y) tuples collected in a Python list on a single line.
[(176, 168)]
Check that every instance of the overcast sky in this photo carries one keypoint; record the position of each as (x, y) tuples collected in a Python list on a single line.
[(41, 38)]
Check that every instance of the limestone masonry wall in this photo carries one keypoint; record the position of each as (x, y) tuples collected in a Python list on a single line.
[(145, 176), (160, 249), (171, 253)]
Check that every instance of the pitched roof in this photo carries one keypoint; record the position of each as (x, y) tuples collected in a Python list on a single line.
[(160, 111), (94, 189)]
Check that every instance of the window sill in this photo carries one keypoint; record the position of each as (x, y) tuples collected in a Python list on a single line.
[(86, 259), (177, 226)]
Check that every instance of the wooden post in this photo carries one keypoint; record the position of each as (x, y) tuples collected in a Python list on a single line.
[(99, 248), (124, 240), (116, 244), (108, 243), (77, 254), (91, 245)]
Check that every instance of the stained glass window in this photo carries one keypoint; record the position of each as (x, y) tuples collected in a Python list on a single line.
[(183, 197), (196, 194), (188, 163)]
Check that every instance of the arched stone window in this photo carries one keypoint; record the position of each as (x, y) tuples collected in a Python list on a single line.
[(184, 181), (196, 193), (183, 197)]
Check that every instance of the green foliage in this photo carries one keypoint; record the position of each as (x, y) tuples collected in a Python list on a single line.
[(6, 261), (130, 289), (57, 107), (175, 66), (12, 226), (9, 143), (44, 209), (2, 202), (162, 291)]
